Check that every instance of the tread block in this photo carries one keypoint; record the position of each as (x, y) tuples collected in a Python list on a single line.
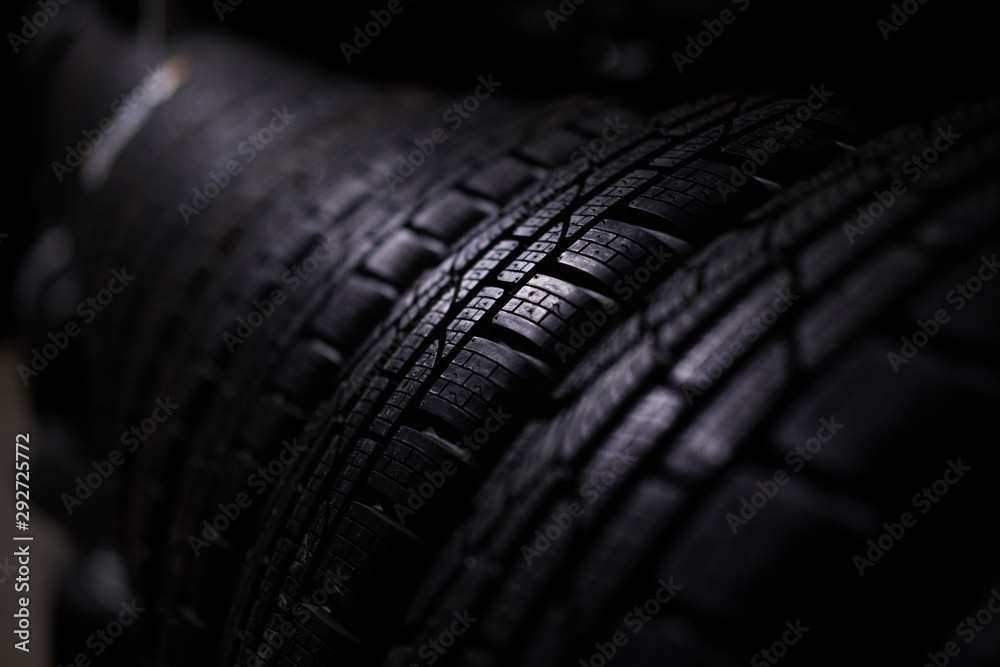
[(500, 181), (688, 200), (544, 309), (651, 414), (850, 124), (554, 148), (736, 332), (366, 538), (645, 513), (307, 370), (595, 124), (416, 466), (612, 250), (804, 151), (854, 299), (866, 419), (346, 195), (450, 216), (719, 429), (353, 310), (480, 376), (687, 148), (403, 256), (733, 578), (297, 244)]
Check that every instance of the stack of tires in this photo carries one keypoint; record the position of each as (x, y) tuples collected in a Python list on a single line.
[(560, 383)]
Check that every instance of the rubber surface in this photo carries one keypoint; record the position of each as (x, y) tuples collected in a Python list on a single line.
[(558, 291)]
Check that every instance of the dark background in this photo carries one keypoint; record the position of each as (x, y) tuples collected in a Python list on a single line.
[(605, 47)]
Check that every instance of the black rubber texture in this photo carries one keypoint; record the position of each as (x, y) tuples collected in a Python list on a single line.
[(699, 450), (508, 320), (484, 334), (163, 337)]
